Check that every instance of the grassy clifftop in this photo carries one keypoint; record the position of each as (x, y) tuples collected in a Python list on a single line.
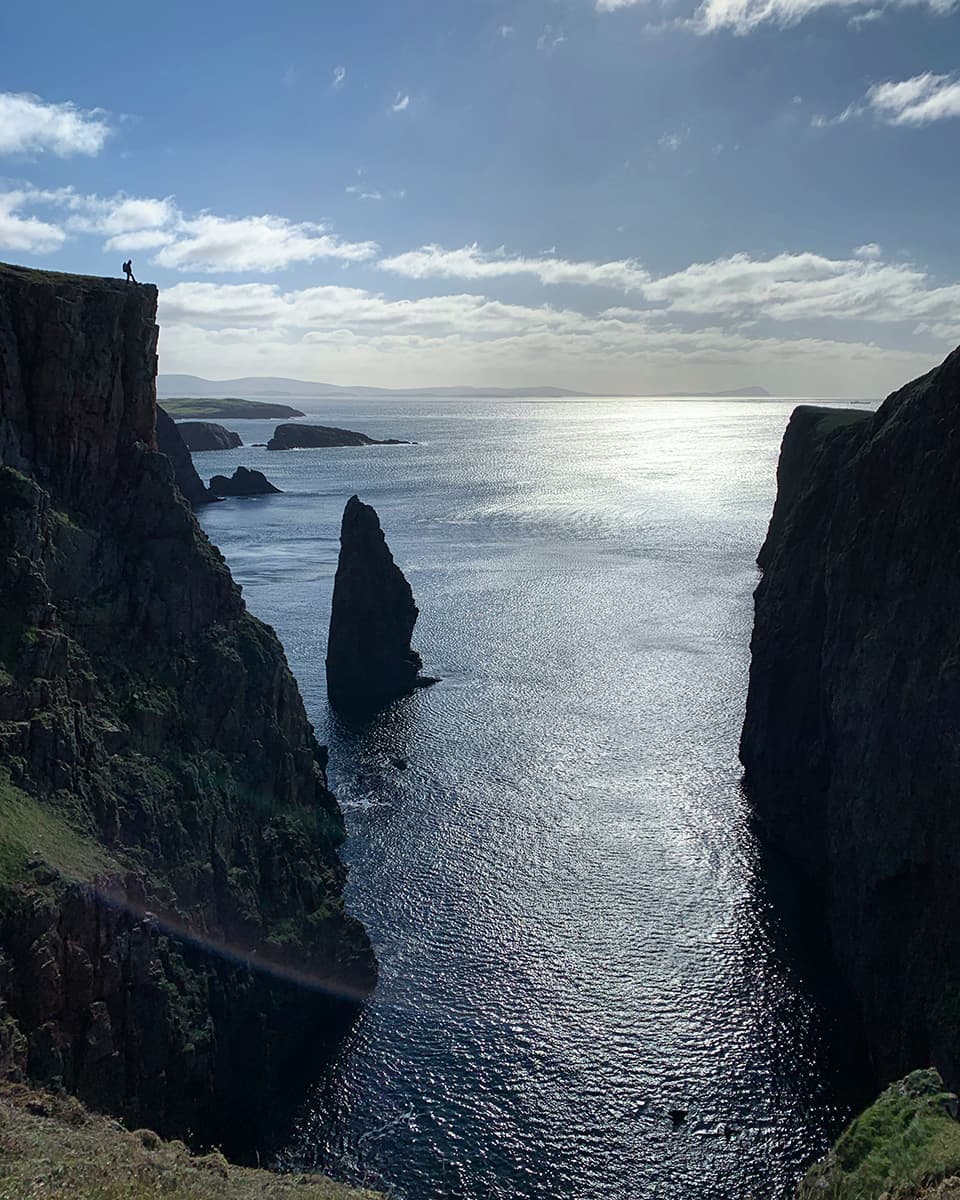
[(906, 1146), (52, 1148)]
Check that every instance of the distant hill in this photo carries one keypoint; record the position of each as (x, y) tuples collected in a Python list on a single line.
[(205, 408), (258, 387)]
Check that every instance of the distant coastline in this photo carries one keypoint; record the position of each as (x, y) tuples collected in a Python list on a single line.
[(176, 389)]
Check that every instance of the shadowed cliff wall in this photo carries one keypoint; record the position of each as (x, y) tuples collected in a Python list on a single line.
[(169, 874), (850, 746)]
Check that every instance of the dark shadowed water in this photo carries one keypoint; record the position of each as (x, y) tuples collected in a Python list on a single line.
[(574, 929)]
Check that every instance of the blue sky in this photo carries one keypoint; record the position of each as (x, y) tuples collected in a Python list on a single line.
[(601, 194)]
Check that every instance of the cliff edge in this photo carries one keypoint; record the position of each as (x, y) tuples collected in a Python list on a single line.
[(173, 941), (850, 749)]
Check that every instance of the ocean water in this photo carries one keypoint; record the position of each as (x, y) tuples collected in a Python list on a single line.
[(575, 926)]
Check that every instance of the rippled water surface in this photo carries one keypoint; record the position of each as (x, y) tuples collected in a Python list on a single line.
[(574, 930)]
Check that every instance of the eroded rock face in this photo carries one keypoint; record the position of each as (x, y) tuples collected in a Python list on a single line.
[(144, 709), (170, 443), (243, 482), (294, 437), (369, 658), (206, 435), (850, 741)]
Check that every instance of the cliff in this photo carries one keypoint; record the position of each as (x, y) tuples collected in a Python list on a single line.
[(850, 749), (372, 616), (170, 443), (173, 941)]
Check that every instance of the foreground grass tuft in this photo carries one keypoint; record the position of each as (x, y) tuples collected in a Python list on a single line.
[(52, 1148)]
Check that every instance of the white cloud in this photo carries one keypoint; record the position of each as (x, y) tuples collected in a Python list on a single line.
[(670, 141), (743, 16), (505, 31), (469, 262), (26, 233), (264, 243), (401, 104), (916, 101), (339, 75), (201, 242), (786, 287), (291, 77), (29, 125)]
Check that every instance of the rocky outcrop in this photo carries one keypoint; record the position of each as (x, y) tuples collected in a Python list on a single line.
[(170, 443), (171, 913), (369, 659), (205, 435), (243, 482), (298, 437), (850, 749)]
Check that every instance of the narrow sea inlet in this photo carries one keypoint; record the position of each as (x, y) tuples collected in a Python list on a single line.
[(573, 919)]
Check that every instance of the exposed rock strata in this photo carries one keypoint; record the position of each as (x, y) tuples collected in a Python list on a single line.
[(151, 731), (369, 659), (170, 443), (206, 435), (850, 741), (243, 482), (298, 437)]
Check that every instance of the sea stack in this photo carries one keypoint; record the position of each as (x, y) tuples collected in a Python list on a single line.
[(369, 659)]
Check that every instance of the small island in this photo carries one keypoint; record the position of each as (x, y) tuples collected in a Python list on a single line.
[(205, 435), (243, 482), (299, 437), (230, 407)]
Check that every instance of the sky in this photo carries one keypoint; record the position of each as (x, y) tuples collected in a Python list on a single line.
[(617, 196)]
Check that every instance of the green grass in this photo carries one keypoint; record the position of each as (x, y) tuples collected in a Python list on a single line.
[(205, 409), (51, 1148), (905, 1145), (31, 830)]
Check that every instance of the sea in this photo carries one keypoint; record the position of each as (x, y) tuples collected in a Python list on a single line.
[(594, 983)]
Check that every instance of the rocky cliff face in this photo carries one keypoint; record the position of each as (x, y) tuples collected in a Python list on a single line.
[(850, 741), (369, 659), (170, 443), (172, 931)]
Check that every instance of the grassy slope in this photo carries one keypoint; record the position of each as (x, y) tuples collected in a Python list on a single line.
[(32, 833), (906, 1145), (51, 1148), (180, 407)]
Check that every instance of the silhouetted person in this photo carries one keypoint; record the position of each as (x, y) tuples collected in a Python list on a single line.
[(128, 270)]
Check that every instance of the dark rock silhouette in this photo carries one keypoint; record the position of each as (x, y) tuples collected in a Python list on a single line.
[(166, 944), (243, 482), (185, 474), (369, 659), (850, 747), (206, 435), (297, 437)]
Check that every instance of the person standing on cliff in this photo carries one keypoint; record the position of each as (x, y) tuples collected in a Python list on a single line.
[(128, 270)]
